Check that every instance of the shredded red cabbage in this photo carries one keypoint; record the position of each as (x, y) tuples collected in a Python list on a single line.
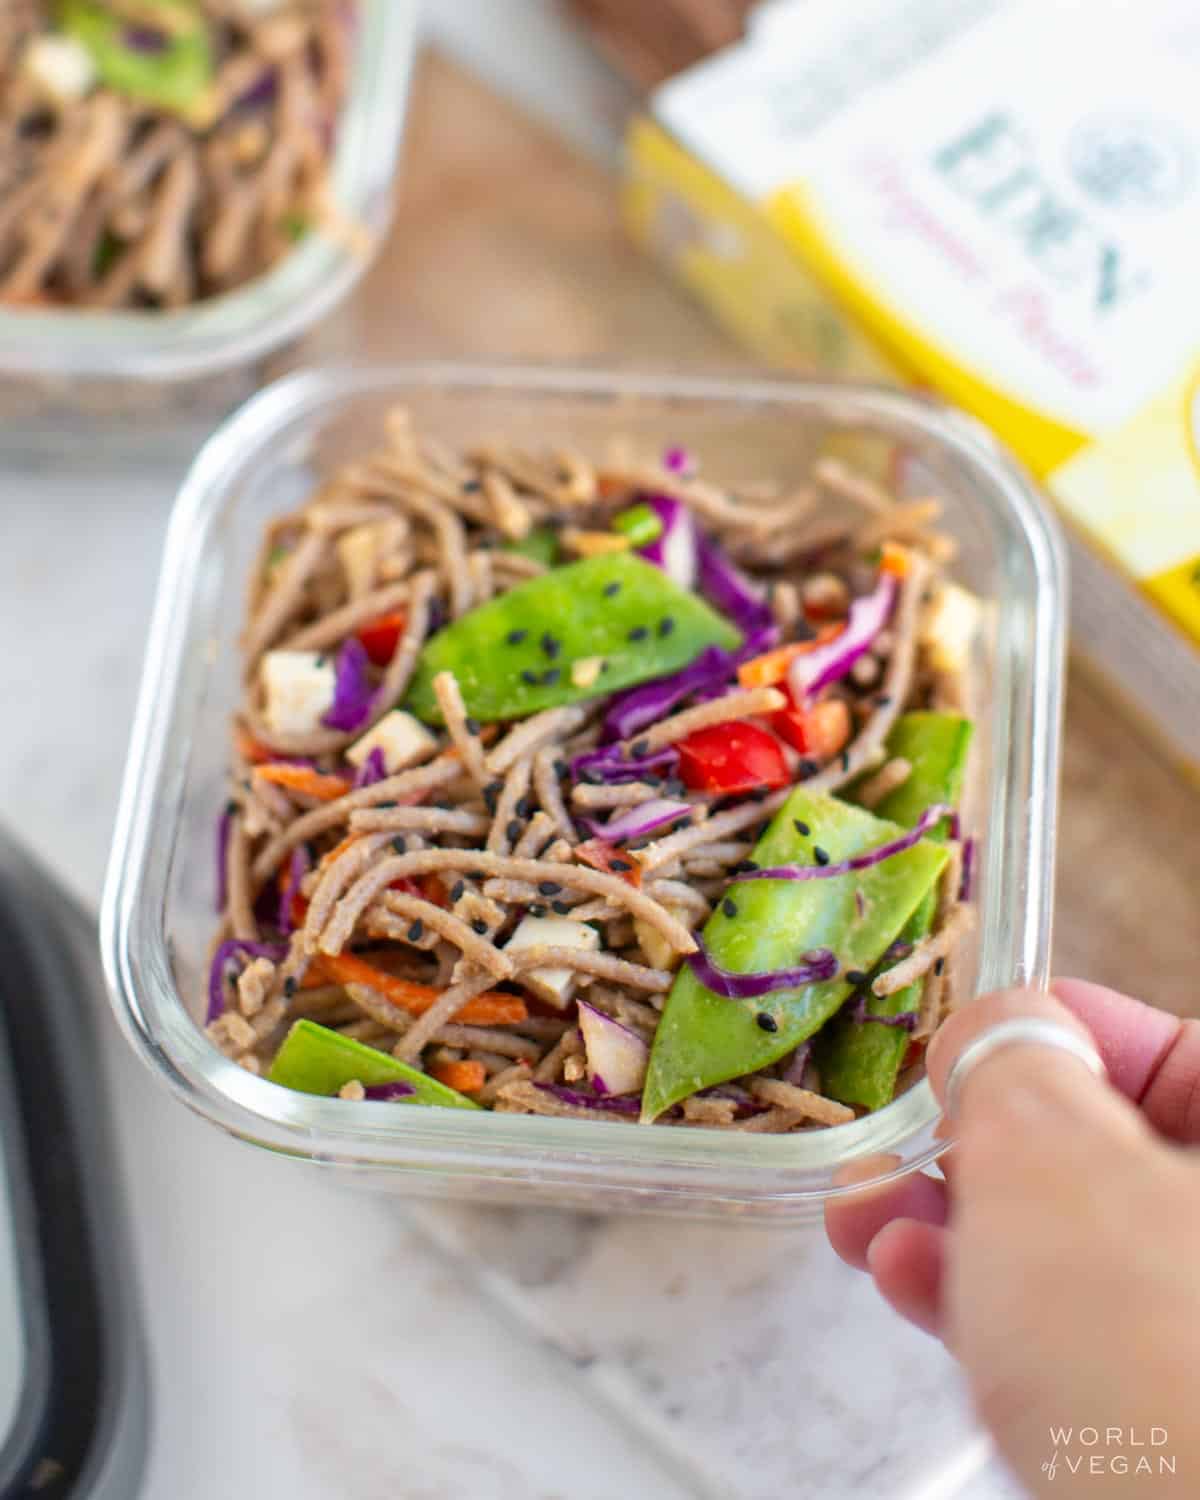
[(607, 764), (709, 674), (261, 91), (856, 1009), (674, 550), (373, 769), (929, 819), (395, 1090), (728, 588), (818, 966), (620, 1104), (793, 1071), (227, 952), (810, 671), (224, 828), (298, 867), (637, 821), (353, 689), (966, 884)]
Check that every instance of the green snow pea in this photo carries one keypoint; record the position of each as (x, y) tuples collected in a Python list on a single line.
[(704, 1038), (315, 1060), (540, 544), (859, 1062), (515, 654), (639, 523), (169, 65)]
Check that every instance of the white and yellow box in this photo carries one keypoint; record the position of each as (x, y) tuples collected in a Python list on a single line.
[(997, 199)]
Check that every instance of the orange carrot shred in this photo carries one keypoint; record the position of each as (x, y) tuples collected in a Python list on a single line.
[(489, 1009), (301, 779), (466, 1075)]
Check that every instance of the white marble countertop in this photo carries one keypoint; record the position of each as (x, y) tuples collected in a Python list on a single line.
[(310, 1342)]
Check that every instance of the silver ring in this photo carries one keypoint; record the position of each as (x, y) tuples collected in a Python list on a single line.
[(1022, 1029)]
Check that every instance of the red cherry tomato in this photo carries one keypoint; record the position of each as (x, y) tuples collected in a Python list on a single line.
[(382, 636), (818, 732), (734, 757)]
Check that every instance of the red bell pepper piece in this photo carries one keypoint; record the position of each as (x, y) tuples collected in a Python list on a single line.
[(735, 757), (818, 731), (381, 637)]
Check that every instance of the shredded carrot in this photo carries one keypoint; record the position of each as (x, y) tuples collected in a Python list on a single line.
[(249, 748), (603, 856), (339, 848), (301, 779), (772, 666), (894, 560), (489, 1009), (466, 1075)]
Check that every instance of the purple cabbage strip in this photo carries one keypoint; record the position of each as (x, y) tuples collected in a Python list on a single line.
[(794, 1070), (619, 1104), (599, 1084), (929, 818), (726, 587), (819, 965), (709, 674), (634, 822), (966, 884), (261, 91), (831, 660), (222, 958), (298, 867), (224, 828), (147, 40), (856, 1009), (353, 688), (675, 550), (373, 769), (397, 1089), (606, 763)]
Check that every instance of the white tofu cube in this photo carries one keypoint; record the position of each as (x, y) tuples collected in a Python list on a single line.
[(659, 953), (61, 66), (949, 629), (555, 986), (298, 687), (403, 739)]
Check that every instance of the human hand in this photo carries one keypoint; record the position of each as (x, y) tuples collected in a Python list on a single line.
[(1059, 1260)]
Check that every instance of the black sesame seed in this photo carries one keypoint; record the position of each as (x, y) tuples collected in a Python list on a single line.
[(820, 855), (490, 794), (561, 907), (472, 726), (801, 827), (803, 631), (939, 967), (882, 700), (729, 907), (759, 794), (808, 767), (854, 977), (561, 768), (230, 808), (638, 633), (666, 625), (390, 803), (458, 890), (549, 887), (477, 874), (621, 866), (611, 588), (551, 677), (289, 987), (603, 667), (416, 930), (479, 926), (640, 748), (537, 911), (550, 646), (845, 760), (513, 832), (766, 1022), (529, 677), (525, 806), (470, 486), (400, 844), (321, 660), (515, 637)]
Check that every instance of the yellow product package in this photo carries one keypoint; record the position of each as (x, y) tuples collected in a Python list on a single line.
[(996, 199)]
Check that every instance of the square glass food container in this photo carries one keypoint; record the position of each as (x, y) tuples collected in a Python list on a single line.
[(158, 916), (72, 380)]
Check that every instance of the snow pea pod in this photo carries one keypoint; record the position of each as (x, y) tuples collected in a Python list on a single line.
[(859, 1062), (515, 655), (315, 1060), (165, 61), (762, 925)]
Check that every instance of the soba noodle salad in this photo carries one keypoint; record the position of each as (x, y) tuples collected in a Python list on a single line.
[(595, 789), (157, 152)]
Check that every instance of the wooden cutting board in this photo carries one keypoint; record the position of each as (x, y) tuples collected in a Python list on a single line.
[(507, 244)]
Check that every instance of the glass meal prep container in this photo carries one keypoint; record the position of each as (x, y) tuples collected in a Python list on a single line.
[(73, 379), (158, 917)]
